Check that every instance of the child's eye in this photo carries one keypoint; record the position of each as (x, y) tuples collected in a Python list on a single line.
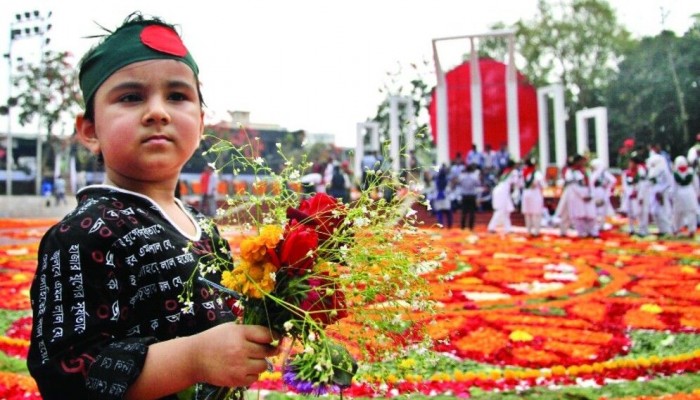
[(129, 98), (177, 96)]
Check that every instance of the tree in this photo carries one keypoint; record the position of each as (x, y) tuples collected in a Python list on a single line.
[(48, 91), (656, 85), (414, 86)]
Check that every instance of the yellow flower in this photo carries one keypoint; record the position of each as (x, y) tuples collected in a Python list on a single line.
[(520, 336), (688, 270), (651, 308), (250, 279), (253, 250), (407, 363), (270, 235)]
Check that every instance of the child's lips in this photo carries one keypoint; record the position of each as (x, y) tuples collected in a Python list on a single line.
[(157, 139)]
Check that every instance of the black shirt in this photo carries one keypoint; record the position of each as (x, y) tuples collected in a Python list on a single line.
[(107, 285)]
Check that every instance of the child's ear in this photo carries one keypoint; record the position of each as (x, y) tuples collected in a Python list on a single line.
[(85, 130)]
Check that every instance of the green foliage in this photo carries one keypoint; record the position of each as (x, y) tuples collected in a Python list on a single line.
[(416, 88), (48, 90), (656, 86), (661, 344)]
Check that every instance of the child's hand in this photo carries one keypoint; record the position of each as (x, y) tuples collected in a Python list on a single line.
[(232, 355)]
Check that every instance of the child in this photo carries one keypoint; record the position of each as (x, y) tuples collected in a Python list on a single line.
[(442, 200), (660, 185), (502, 199), (108, 322), (533, 197), (580, 201), (636, 191), (685, 197), (561, 213), (603, 186)]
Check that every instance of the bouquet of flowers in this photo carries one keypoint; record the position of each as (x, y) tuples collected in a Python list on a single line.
[(307, 261)]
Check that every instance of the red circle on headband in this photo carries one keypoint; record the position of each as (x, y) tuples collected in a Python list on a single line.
[(163, 39)]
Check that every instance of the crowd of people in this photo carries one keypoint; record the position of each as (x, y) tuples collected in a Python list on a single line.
[(652, 189)]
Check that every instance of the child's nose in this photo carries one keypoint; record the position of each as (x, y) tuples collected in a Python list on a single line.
[(156, 112)]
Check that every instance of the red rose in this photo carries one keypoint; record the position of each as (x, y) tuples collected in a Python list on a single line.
[(297, 249), (318, 211), (324, 302)]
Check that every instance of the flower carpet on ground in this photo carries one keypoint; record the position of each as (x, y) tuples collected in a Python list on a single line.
[(516, 317)]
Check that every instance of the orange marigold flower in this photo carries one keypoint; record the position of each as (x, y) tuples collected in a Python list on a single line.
[(253, 250), (270, 235), (251, 279)]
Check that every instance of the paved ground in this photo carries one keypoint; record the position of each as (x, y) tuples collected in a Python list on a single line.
[(33, 207)]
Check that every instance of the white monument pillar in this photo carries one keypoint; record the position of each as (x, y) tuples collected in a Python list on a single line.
[(512, 102), (395, 129), (600, 115), (362, 128), (555, 91), (442, 136), (477, 106)]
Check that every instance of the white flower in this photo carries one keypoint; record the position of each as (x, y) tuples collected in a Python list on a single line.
[(278, 145), (294, 175), (309, 350), (259, 160), (188, 308), (312, 337), (344, 251), (411, 212), (359, 222), (288, 326), (212, 165), (273, 276)]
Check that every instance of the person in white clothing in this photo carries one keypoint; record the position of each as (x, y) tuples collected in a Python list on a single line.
[(561, 214), (693, 153), (533, 197), (581, 206), (686, 190), (603, 186), (660, 184), (502, 200), (636, 190)]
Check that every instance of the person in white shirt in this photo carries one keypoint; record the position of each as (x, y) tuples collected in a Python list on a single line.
[(561, 214), (603, 186), (694, 153), (660, 184), (636, 191), (686, 190), (581, 206), (533, 198), (502, 199), (468, 184)]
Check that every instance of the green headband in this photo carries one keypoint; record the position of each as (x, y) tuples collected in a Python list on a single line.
[(139, 41)]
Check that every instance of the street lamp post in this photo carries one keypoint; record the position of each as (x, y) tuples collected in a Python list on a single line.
[(26, 25)]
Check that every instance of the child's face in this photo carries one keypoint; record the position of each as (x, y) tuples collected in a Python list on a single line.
[(148, 122)]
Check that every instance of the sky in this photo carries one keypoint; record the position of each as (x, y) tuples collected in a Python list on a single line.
[(315, 65)]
